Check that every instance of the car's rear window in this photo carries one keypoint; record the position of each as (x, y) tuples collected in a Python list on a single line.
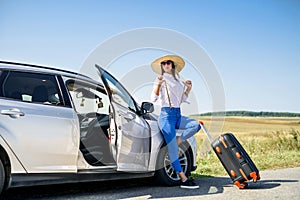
[(31, 87)]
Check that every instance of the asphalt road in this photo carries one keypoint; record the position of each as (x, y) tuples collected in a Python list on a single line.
[(275, 184)]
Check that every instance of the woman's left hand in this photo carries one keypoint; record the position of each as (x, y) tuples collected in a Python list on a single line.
[(188, 83)]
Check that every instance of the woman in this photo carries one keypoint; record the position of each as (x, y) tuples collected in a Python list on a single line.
[(172, 92)]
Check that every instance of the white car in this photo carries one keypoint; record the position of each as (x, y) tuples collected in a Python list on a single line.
[(58, 126)]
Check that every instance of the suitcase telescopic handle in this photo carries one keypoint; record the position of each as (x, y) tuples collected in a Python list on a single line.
[(210, 139)]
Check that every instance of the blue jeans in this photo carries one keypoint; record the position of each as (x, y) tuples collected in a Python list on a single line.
[(169, 120)]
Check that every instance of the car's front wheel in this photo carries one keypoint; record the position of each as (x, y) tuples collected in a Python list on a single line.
[(2, 176), (165, 173)]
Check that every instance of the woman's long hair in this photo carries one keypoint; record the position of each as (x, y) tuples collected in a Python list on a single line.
[(173, 70)]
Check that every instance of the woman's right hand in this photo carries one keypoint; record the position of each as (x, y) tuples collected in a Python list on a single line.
[(160, 80)]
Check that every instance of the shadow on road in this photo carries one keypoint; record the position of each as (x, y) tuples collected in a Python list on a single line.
[(129, 189), (268, 184)]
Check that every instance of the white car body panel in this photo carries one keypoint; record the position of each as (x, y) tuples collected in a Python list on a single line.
[(16, 166), (39, 148), (133, 144)]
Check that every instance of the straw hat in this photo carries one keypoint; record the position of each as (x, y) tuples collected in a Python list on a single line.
[(178, 61)]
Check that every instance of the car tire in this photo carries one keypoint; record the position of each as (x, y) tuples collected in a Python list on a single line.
[(2, 176), (165, 173)]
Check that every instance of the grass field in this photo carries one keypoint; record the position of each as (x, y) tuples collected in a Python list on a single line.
[(272, 143)]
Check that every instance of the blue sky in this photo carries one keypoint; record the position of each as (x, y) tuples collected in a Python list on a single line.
[(255, 45)]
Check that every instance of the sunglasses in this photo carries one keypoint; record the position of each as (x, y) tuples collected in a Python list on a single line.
[(168, 62)]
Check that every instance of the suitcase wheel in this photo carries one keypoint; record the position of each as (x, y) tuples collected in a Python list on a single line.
[(254, 176), (241, 185)]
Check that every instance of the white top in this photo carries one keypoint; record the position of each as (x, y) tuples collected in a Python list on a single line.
[(175, 89)]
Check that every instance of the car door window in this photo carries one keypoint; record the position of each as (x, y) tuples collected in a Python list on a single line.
[(31, 87), (119, 93)]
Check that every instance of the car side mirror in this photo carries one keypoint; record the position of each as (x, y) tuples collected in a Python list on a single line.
[(147, 107)]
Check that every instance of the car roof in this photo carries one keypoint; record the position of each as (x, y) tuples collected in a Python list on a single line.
[(11, 66)]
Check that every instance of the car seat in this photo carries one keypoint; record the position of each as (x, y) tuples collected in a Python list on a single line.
[(40, 94)]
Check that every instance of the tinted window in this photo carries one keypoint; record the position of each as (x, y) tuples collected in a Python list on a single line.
[(30, 87)]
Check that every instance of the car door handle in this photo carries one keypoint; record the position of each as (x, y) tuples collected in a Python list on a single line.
[(13, 112)]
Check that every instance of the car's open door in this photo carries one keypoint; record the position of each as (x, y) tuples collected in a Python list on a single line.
[(129, 132)]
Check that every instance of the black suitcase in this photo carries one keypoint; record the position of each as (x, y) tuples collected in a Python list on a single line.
[(234, 158)]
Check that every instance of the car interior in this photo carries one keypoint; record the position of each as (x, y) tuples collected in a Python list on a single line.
[(92, 107)]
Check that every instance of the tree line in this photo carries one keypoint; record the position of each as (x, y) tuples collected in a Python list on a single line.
[(251, 114)]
